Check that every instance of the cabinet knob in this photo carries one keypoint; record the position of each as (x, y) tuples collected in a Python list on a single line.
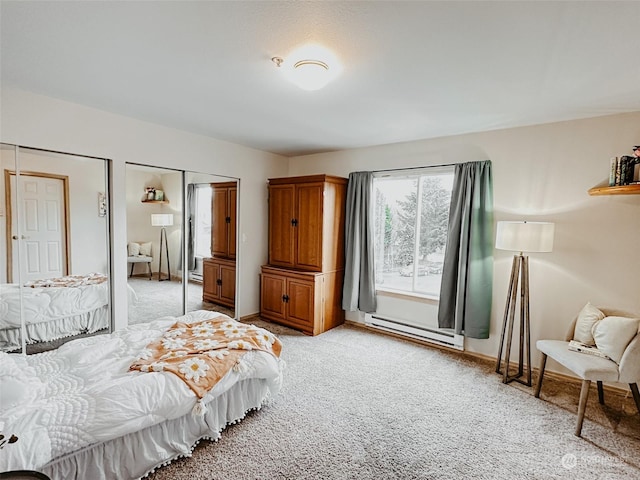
[(294, 222), (285, 298), (219, 281)]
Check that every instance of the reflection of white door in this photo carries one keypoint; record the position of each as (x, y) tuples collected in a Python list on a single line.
[(43, 237)]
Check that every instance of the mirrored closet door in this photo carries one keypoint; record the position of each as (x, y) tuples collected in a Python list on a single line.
[(171, 273), (211, 243), (54, 276)]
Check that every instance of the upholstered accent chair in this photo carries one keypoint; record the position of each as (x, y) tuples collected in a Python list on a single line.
[(139, 253), (594, 368)]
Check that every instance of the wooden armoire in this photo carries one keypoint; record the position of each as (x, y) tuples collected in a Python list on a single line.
[(219, 271), (301, 286)]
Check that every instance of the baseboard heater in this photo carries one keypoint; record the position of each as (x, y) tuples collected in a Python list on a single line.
[(439, 337)]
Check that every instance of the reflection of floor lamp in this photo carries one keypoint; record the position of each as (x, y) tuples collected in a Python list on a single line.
[(520, 237), (163, 220)]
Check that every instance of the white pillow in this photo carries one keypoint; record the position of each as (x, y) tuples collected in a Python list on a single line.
[(145, 249), (613, 334), (133, 249), (584, 324)]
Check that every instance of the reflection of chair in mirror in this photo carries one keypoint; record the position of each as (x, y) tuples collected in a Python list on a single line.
[(139, 253)]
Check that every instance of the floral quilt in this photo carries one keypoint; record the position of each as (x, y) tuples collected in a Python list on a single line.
[(202, 353), (69, 281)]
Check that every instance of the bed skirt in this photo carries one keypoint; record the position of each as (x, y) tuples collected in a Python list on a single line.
[(137, 454), (89, 322)]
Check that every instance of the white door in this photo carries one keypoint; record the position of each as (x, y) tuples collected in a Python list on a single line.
[(42, 233)]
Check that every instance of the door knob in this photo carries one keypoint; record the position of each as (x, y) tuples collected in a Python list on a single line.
[(23, 237)]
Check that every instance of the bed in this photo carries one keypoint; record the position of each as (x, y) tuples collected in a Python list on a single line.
[(54, 308), (89, 416)]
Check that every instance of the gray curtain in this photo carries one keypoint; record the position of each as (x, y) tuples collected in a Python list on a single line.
[(359, 292), (191, 211), (467, 275)]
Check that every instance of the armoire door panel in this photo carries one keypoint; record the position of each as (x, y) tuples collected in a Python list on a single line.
[(281, 225), (228, 285), (272, 293), (309, 226), (300, 303), (209, 275), (219, 227)]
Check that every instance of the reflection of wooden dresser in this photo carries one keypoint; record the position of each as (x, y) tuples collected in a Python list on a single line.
[(219, 272), (223, 219), (302, 285), (219, 281)]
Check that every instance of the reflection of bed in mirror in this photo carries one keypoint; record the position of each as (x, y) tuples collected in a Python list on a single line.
[(70, 306), (56, 217)]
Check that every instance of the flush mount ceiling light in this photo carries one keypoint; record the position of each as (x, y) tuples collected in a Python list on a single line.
[(306, 70), (311, 74)]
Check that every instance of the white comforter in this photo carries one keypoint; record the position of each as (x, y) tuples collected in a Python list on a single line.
[(84, 393), (50, 303)]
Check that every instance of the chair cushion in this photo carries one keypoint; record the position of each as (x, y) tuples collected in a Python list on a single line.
[(613, 334), (139, 259), (584, 323), (587, 367)]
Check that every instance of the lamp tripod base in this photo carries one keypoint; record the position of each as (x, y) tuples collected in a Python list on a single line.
[(519, 274), (163, 241)]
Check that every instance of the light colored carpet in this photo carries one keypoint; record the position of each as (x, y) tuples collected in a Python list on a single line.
[(362, 405), (158, 299)]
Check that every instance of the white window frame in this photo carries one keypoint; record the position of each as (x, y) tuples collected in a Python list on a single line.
[(197, 216), (412, 173)]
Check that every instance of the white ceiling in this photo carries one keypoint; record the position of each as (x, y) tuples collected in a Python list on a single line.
[(411, 70)]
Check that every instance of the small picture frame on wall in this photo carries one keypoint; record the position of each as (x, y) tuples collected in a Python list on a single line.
[(102, 204), (159, 196)]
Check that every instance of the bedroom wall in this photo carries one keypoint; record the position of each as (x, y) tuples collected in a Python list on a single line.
[(44, 122), (139, 227), (541, 173)]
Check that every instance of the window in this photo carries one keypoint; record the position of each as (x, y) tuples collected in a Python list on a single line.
[(411, 235), (202, 237)]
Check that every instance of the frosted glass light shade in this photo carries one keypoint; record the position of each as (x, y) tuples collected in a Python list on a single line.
[(161, 219), (525, 236), (311, 74)]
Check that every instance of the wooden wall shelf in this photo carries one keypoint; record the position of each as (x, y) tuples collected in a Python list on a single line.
[(155, 201), (617, 190)]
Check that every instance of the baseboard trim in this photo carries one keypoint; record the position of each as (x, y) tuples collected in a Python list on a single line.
[(489, 359), (251, 316)]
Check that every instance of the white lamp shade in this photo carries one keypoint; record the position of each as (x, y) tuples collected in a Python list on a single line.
[(525, 236), (161, 219)]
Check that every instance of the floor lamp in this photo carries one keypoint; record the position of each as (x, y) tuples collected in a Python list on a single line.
[(163, 220), (520, 237)]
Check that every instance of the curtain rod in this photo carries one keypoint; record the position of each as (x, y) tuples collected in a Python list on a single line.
[(415, 168)]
